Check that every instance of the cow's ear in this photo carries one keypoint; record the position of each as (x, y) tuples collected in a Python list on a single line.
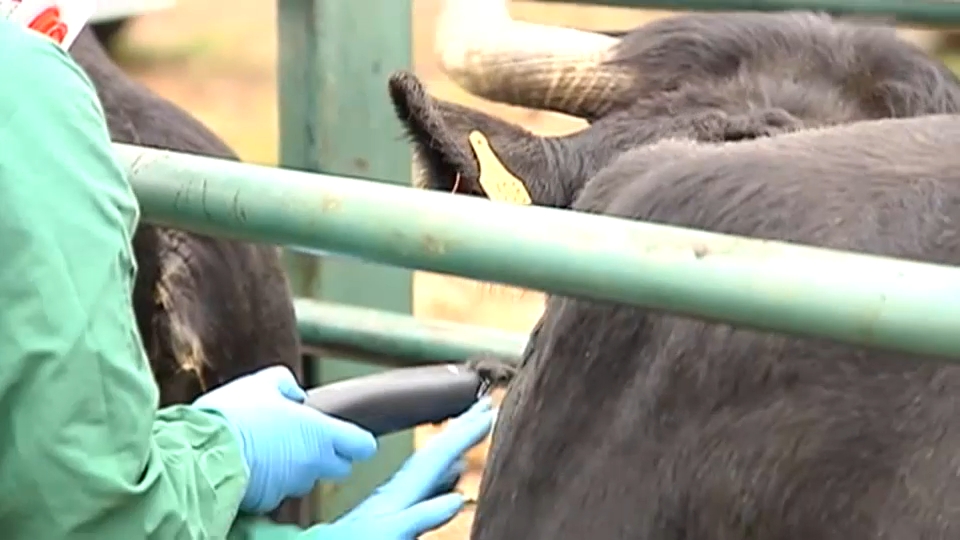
[(462, 150)]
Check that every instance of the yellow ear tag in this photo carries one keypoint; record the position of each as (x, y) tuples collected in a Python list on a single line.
[(495, 179)]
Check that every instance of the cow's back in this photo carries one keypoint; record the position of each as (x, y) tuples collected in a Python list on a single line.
[(630, 424)]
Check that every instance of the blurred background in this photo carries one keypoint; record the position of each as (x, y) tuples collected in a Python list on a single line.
[(220, 65)]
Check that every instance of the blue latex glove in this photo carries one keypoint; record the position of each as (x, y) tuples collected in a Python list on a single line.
[(409, 504), (287, 446)]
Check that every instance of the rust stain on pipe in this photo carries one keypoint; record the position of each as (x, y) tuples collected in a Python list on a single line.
[(433, 245)]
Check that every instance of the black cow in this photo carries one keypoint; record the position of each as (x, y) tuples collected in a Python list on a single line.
[(725, 76), (208, 310), (631, 424)]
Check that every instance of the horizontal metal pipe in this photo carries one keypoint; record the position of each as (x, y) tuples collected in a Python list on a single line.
[(398, 339), (315, 252), (938, 13), (860, 299)]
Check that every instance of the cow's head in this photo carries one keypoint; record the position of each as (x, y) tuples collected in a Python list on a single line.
[(710, 77), (739, 56), (462, 150)]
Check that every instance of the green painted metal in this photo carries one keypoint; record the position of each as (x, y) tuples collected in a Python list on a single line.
[(334, 117), (398, 340), (934, 13), (849, 297), (297, 112)]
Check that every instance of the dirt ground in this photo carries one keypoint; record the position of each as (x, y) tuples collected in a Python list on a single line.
[(225, 74)]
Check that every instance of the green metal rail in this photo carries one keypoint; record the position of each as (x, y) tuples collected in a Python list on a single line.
[(397, 340), (768, 285)]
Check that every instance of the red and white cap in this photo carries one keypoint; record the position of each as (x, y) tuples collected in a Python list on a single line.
[(60, 20)]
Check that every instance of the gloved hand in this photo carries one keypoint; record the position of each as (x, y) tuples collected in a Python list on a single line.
[(410, 504), (287, 446)]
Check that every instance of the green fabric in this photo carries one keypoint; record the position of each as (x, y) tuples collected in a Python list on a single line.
[(257, 528), (84, 453)]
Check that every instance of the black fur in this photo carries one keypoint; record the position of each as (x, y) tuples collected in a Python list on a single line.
[(224, 304), (631, 424), (496, 372)]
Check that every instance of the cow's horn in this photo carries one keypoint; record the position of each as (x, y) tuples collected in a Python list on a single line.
[(532, 65)]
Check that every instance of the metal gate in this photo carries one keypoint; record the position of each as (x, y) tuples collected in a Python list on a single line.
[(338, 133)]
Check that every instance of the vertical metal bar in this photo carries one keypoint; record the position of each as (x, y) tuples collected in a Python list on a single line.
[(335, 56), (297, 86), (297, 107)]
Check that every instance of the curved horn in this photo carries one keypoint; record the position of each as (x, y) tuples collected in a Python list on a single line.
[(491, 55)]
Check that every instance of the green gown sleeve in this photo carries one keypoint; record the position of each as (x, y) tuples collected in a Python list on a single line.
[(84, 452), (258, 528)]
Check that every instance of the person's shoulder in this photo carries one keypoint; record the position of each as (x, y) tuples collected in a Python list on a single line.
[(32, 65)]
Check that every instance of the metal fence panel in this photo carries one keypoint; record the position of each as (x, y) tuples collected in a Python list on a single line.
[(763, 284), (335, 56)]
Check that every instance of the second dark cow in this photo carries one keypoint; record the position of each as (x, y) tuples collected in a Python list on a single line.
[(209, 310)]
